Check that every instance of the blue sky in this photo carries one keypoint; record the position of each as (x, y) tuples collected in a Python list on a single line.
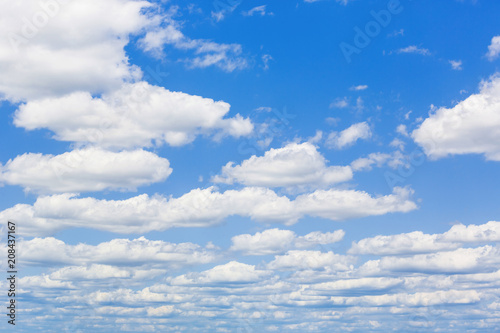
[(226, 166)]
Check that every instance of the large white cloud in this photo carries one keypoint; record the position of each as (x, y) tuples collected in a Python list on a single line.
[(273, 241), (137, 114), (82, 170), (419, 242), (417, 299), (488, 232), (232, 272), (413, 242), (358, 284), (295, 165), (122, 252), (463, 260), (345, 204), (470, 127), (297, 259), (198, 208), (56, 47)]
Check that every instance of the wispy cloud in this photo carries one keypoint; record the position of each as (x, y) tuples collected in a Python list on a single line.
[(414, 49), (456, 64)]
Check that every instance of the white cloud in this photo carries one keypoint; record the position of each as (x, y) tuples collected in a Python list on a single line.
[(418, 242), (347, 137), (396, 33), (393, 160), (270, 241), (295, 165), (401, 129), (134, 115), (470, 127), (488, 232), (463, 260), (417, 299), (88, 169), (52, 48), (359, 88), (456, 65), (296, 260), (493, 48), (232, 272), (227, 57), (341, 205), (259, 10), (274, 241), (44, 281), (360, 284), (224, 8), (414, 49), (122, 252), (92, 272), (55, 48), (340, 103), (413, 242), (199, 208)]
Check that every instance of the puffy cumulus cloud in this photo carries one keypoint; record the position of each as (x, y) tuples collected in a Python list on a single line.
[(140, 214), (118, 296), (198, 208), (493, 49), (317, 260), (161, 311), (346, 204), (124, 252), (88, 169), (295, 165), (463, 260), (232, 272), (366, 284), (273, 241), (418, 242), (417, 299), (56, 47), (349, 136), (92, 272), (44, 282), (488, 232), (413, 242), (137, 114), (470, 127), (52, 47)]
